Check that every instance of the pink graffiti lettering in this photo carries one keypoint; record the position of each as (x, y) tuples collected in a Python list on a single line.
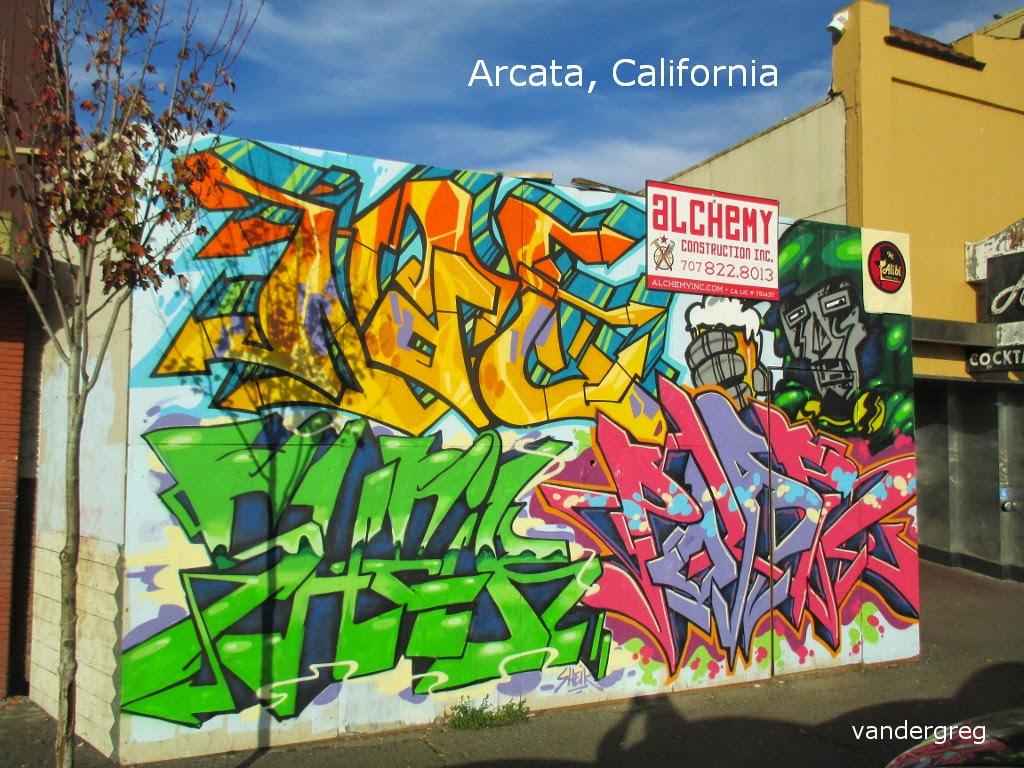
[(723, 525)]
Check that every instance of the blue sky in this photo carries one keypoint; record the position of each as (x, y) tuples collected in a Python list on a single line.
[(389, 78)]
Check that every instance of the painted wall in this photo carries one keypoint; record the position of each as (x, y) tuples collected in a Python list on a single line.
[(104, 475), (411, 434)]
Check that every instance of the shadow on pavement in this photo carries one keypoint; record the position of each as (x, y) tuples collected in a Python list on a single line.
[(647, 732), (652, 732)]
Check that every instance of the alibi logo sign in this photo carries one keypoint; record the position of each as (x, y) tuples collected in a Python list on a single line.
[(886, 267)]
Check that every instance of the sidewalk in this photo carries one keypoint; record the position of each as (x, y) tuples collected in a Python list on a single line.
[(972, 662)]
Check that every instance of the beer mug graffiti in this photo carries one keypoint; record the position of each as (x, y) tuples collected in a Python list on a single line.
[(724, 349)]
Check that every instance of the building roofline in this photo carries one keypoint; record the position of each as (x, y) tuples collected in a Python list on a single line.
[(929, 46), (1004, 21)]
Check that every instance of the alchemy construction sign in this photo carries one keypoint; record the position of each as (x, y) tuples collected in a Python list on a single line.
[(699, 241)]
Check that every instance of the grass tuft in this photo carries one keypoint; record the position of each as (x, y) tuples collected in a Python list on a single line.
[(468, 716)]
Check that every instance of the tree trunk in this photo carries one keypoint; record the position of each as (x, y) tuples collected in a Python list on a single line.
[(64, 748)]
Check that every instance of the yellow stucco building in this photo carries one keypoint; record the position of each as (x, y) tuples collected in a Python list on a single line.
[(930, 132), (927, 138)]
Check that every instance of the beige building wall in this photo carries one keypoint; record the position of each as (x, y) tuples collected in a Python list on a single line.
[(799, 161), (101, 566), (99, 573)]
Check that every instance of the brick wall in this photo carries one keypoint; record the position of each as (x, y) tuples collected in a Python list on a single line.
[(13, 316)]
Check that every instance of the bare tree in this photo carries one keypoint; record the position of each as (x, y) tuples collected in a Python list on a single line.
[(96, 132)]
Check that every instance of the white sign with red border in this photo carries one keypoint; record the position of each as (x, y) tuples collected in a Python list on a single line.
[(700, 241)]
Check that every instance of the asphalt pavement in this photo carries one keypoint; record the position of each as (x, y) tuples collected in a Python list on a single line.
[(972, 662)]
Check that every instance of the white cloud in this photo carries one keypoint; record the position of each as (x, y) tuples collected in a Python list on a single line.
[(954, 29), (619, 162), (389, 80), (620, 139)]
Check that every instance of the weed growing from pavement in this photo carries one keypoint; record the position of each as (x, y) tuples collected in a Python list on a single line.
[(468, 716)]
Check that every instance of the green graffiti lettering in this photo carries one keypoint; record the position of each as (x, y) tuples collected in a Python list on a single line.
[(335, 554)]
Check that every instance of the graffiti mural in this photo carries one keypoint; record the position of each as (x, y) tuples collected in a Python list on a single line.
[(372, 549), (427, 431)]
